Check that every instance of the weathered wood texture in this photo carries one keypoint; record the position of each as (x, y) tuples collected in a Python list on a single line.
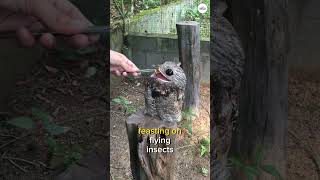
[(263, 28), (147, 165), (189, 56), (227, 59)]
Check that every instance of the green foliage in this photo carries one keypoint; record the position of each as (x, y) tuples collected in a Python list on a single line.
[(204, 146), (122, 10), (55, 149), (188, 115), (148, 4), (22, 122), (125, 103), (257, 168), (26, 122), (49, 126), (192, 13), (271, 170), (73, 155), (60, 154), (204, 171)]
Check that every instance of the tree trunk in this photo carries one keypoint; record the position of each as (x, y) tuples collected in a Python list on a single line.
[(263, 28), (189, 56)]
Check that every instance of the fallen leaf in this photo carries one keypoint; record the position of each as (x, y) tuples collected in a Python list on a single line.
[(91, 71)]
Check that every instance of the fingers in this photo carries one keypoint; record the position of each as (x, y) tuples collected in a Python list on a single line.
[(122, 64), (82, 40), (127, 65), (25, 37), (48, 40), (125, 74), (63, 17)]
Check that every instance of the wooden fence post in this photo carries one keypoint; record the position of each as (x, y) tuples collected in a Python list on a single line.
[(263, 28), (189, 56)]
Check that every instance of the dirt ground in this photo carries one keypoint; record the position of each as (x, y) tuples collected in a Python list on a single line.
[(304, 127), (188, 160), (62, 90)]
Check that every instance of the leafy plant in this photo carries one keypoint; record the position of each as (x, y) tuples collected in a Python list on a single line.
[(256, 168), (188, 115), (50, 129), (204, 146), (27, 122), (73, 155), (148, 4), (204, 171), (192, 14), (125, 103)]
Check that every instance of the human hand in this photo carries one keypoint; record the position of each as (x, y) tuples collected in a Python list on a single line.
[(24, 16), (121, 65)]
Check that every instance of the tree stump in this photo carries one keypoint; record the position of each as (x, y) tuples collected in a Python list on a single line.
[(189, 56), (150, 165)]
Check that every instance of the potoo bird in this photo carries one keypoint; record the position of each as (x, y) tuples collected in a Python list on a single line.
[(165, 92), (227, 58)]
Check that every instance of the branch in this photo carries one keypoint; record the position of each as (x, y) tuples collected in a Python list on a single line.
[(16, 165), (14, 140)]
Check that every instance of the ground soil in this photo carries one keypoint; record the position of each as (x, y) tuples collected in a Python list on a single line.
[(188, 160), (62, 90), (303, 127)]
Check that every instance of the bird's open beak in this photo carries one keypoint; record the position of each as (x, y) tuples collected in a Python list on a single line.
[(158, 74)]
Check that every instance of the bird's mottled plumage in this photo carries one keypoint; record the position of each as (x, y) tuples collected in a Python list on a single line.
[(165, 92), (227, 57)]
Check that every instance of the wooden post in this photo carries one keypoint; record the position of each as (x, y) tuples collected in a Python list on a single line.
[(150, 165), (189, 56), (263, 28)]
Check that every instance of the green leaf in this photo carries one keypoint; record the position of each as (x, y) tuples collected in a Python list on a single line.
[(42, 116), (22, 122), (205, 141), (258, 155), (252, 170), (54, 129), (116, 100), (204, 171), (203, 150), (249, 176), (52, 144), (270, 169), (236, 162)]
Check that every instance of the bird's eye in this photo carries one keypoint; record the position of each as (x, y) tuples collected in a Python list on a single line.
[(169, 72)]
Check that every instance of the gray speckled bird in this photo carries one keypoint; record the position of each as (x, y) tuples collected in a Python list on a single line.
[(165, 92)]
